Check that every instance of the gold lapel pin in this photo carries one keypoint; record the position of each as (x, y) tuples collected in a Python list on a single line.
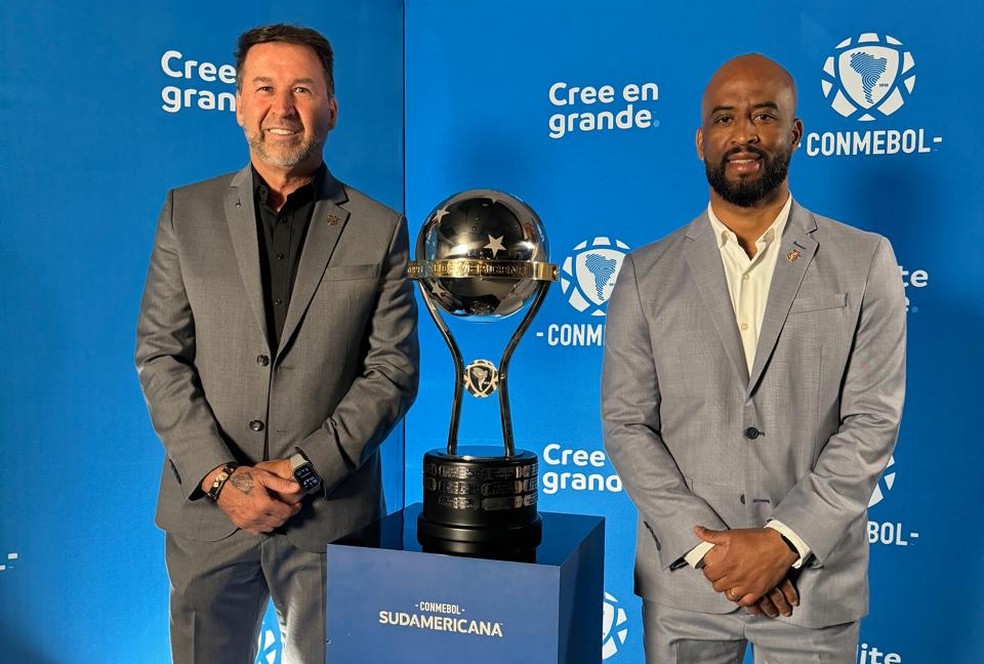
[(333, 219), (793, 255)]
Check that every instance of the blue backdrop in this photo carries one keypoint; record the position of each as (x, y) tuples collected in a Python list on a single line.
[(99, 126)]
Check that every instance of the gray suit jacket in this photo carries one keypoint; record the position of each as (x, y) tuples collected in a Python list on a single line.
[(825, 391), (343, 376)]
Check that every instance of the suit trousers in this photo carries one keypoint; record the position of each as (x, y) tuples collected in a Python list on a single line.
[(219, 593), (678, 636)]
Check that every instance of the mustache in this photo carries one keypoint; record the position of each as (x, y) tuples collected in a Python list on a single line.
[(288, 121), (747, 149)]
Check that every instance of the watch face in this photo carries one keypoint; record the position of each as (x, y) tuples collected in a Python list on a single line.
[(307, 478)]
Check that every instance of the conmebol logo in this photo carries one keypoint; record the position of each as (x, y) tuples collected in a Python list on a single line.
[(588, 275), (613, 627), (869, 77)]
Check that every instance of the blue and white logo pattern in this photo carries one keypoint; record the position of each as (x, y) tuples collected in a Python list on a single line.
[(589, 274), (884, 484), (869, 77), (8, 563), (268, 645), (613, 629)]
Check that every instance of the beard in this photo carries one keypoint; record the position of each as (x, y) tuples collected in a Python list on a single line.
[(284, 156), (748, 193)]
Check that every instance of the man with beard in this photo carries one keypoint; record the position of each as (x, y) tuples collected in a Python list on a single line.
[(752, 389), (276, 349)]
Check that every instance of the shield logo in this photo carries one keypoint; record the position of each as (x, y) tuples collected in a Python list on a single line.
[(868, 73), (589, 274), (596, 271), (481, 378)]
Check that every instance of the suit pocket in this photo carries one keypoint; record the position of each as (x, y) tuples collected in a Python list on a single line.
[(174, 470), (819, 303), (727, 500), (349, 272), (659, 547)]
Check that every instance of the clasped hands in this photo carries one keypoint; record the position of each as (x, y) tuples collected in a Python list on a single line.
[(259, 498), (750, 566)]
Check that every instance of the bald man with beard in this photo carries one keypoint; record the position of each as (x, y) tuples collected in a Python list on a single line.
[(753, 383)]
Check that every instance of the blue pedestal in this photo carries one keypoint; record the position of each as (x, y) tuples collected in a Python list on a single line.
[(391, 603)]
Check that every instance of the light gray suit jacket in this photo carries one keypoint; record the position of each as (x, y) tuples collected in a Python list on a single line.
[(825, 393), (344, 374)]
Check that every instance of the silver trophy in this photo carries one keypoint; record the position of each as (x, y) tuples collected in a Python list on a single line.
[(481, 255)]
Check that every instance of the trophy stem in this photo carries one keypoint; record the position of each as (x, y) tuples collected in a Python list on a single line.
[(504, 411), (459, 370)]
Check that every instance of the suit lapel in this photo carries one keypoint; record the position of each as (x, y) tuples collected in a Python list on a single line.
[(327, 222), (796, 252), (241, 217), (704, 259)]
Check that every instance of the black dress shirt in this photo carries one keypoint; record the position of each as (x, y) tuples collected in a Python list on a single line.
[(281, 239)]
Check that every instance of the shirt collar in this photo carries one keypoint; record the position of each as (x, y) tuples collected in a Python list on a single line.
[(308, 192), (725, 234)]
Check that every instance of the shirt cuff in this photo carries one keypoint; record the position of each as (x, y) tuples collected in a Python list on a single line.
[(802, 549), (696, 555)]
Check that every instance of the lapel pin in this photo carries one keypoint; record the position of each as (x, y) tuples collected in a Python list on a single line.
[(333, 219), (238, 203), (793, 255)]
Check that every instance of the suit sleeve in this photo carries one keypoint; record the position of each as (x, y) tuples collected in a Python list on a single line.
[(165, 364), (383, 393), (631, 419), (823, 505)]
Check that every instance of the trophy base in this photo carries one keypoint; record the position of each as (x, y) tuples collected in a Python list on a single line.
[(518, 544), (479, 503)]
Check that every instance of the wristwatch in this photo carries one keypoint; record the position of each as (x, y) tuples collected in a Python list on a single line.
[(304, 473)]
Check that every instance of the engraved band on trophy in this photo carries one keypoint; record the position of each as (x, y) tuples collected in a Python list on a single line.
[(481, 255)]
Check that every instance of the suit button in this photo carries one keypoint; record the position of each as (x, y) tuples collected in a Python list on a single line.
[(262, 360), (256, 425), (751, 433), (742, 498)]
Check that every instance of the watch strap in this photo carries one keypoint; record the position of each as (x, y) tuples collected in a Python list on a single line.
[(298, 459), (305, 473)]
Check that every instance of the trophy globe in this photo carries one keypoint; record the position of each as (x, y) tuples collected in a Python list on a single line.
[(481, 256)]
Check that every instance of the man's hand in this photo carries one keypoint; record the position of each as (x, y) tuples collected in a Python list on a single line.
[(281, 468), (747, 563), (252, 500), (779, 600)]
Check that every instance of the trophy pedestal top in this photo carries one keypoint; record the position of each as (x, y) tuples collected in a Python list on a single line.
[(390, 602)]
